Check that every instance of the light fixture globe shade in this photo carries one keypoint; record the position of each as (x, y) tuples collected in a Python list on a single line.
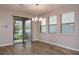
[(36, 18), (40, 19), (33, 19)]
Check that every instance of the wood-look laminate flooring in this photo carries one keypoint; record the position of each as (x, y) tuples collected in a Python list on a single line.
[(36, 48)]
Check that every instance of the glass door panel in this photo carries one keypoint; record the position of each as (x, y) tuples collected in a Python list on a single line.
[(28, 30), (18, 31)]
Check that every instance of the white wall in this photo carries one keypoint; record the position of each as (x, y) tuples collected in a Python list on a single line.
[(66, 40), (35, 30), (6, 18)]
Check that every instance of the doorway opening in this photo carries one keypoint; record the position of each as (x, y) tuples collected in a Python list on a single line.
[(22, 29)]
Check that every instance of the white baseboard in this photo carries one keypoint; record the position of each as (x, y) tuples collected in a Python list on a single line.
[(6, 44), (60, 45)]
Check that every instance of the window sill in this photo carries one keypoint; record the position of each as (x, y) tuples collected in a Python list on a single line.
[(52, 33), (71, 34)]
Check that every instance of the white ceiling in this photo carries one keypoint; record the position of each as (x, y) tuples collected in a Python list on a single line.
[(32, 9)]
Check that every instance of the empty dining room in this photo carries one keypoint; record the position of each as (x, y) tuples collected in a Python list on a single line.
[(39, 29)]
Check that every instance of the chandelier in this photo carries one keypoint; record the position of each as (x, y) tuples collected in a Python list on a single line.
[(36, 18)]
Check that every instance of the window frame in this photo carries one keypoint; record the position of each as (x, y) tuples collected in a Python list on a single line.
[(67, 23), (43, 25), (52, 24)]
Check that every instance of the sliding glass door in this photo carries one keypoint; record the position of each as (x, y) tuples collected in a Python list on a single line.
[(22, 30), (27, 30)]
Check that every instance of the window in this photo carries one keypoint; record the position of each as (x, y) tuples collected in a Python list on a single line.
[(43, 25), (68, 22), (53, 24)]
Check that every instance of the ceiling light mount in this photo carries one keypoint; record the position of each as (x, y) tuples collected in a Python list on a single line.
[(35, 18), (37, 4)]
